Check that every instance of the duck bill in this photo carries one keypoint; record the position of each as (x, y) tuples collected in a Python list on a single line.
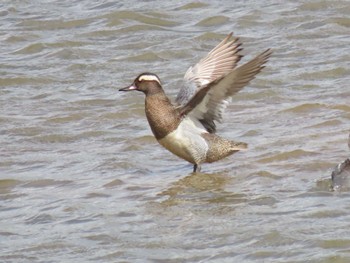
[(129, 88)]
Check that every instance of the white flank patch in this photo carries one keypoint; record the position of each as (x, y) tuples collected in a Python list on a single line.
[(149, 78), (186, 142)]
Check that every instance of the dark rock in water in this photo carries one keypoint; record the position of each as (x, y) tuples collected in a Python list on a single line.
[(341, 176)]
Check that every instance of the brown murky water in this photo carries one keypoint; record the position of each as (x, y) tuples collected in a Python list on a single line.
[(82, 178)]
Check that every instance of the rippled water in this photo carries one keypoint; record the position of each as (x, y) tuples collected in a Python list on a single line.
[(82, 178)]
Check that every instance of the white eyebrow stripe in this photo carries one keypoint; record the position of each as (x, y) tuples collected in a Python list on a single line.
[(149, 78)]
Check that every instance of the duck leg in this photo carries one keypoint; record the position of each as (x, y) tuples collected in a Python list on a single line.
[(196, 168)]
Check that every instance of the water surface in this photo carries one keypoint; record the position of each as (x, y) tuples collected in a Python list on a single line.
[(83, 179)]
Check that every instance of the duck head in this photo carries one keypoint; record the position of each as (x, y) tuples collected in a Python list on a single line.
[(148, 83)]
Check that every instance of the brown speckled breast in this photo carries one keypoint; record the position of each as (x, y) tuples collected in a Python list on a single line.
[(162, 116)]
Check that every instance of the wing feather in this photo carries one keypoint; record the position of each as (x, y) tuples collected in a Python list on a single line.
[(208, 104), (218, 63)]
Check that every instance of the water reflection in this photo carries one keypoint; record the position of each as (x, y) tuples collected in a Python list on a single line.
[(201, 188)]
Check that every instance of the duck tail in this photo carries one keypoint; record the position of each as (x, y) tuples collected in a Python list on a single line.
[(237, 146)]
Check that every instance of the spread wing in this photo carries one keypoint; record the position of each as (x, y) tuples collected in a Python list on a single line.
[(208, 104), (218, 63)]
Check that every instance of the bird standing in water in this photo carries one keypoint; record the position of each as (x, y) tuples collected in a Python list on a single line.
[(188, 129), (341, 174)]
